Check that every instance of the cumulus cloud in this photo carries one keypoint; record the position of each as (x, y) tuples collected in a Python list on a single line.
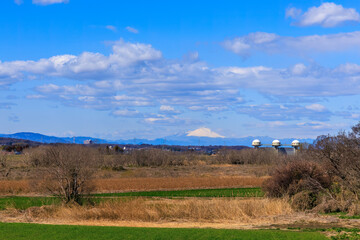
[(327, 14), (275, 44), (48, 2), (87, 65), (136, 74), (134, 79), (132, 30)]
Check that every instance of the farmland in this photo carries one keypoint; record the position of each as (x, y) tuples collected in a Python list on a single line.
[(204, 193)]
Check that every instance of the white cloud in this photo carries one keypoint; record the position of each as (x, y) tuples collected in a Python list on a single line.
[(298, 69), (288, 112), (314, 81), (85, 66), (135, 75), (348, 68), (166, 108), (327, 14), (127, 113), (316, 107), (293, 12), (132, 30), (272, 43), (18, 2), (111, 28), (35, 96), (48, 2), (217, 108), (169, 120)]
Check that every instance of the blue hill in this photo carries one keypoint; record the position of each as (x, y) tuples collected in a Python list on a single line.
[(171, 140)]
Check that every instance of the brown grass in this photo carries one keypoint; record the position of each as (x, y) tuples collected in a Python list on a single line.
[(15, 186), (139, 209), (140, 184)]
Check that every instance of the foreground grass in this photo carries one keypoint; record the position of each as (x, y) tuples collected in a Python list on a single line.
[(223, 192), (19, 231)]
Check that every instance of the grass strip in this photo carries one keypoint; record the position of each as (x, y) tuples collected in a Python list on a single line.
[(20, 231), (223, 192), (26, 202)]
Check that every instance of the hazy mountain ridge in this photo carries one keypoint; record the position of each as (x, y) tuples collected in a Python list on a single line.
[(179, 139)]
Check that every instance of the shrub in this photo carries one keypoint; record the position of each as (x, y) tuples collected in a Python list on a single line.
[(305, 200), (295, 177)]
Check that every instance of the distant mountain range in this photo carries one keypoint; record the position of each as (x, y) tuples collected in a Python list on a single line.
[(180, 139)]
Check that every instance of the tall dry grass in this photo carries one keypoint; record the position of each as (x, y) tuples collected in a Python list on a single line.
[(140, 209), (14, 187)]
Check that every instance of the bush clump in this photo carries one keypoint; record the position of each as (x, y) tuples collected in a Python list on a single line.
[(302, 181)]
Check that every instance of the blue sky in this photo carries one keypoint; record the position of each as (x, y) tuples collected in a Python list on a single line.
[(141, 69)]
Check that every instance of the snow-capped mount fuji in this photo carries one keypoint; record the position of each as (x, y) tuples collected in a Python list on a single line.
[(204, 132)]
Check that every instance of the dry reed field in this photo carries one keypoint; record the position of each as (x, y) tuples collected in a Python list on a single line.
[(140, 209), (13, 187), (191, 171)]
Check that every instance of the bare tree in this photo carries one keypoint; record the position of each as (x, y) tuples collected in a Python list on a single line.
[(67, 170), (341, 153)]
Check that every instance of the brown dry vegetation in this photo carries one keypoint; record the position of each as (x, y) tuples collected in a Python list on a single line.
[(140, 184), (253, 214), (139, 209), (189, 171), (21, 171), (15, 187)]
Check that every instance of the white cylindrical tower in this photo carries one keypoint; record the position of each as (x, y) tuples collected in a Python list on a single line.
[(295, 144), (276, 144), (256, 143)]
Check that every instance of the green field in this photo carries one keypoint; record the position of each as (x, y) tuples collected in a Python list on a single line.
[(19, 231), (223, 192), (26, 202)]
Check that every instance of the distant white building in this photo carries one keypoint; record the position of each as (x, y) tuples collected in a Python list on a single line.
[(291, 149), (89, 141)]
